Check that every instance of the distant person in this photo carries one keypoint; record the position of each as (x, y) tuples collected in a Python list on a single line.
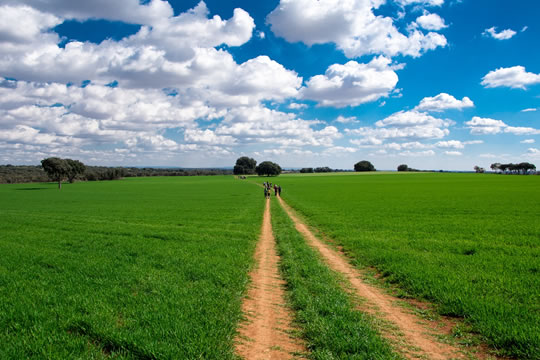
[(279, 190), (275, 190)]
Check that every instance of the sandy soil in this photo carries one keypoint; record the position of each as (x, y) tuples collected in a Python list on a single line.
[(265, 334), (419, 336)]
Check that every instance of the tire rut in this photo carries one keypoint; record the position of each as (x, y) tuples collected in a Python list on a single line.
[(419, 338), (266, 333)]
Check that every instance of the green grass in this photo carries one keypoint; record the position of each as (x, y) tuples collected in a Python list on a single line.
[(134, 269), (469, 243), (324, 312)]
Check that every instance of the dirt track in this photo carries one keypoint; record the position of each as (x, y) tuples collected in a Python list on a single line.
[(266, 333), (418, 336)]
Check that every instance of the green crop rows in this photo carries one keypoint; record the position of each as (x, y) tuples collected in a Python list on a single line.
[(469, 243), (156, 267), (141, 268)]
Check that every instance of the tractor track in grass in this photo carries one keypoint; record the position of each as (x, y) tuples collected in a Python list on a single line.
[(267, 332), (418, 336)]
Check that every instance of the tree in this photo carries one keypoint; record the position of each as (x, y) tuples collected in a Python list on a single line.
[(57, 169), (306, 170), (244, 166), (504, 167), (402, 167), (364, 165), (75, 167), (525, 167), (479, 170), (324, 169), (495, 166), (268, 168)]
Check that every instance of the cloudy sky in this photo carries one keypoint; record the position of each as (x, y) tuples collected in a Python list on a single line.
[(435, 84)]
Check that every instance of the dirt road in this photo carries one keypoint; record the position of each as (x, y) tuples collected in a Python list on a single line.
[(417, 337), (266, 334)]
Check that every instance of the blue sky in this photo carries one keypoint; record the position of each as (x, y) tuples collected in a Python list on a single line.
[(435, 84)]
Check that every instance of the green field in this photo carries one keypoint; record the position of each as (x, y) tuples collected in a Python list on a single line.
[(157, 267), (469, 243), (134, 269)]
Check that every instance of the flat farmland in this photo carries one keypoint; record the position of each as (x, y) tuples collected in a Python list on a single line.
[(469, 243), (139, 268)]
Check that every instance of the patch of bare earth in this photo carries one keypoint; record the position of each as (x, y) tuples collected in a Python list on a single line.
[(410, 335), (267, 332)]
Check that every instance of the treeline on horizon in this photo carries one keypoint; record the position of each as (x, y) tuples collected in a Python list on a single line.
[(521, 168), (12, 174)]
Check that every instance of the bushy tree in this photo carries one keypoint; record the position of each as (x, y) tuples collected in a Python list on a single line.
[(268, 168), (479, 170), (245, 166), (60, 169), (306, 170), (323, 169), (57, 169), (402, 167), (75, 168), (364, 165)]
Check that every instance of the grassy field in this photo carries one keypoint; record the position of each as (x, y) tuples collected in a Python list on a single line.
[(469, 243), (134, 269)]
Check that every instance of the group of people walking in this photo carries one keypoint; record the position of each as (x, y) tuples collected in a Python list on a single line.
[(268, 189)]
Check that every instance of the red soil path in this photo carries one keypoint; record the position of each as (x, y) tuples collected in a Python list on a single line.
[(266, 334)]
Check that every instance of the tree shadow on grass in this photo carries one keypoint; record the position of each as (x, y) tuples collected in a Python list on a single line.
[(33, 188)]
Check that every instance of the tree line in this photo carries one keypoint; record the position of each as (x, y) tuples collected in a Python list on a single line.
[(12, 174), (523, 168), (248, 166)]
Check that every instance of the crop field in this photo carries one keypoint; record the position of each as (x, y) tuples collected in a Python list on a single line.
[(140, 268), (153, 268), (468, 243)]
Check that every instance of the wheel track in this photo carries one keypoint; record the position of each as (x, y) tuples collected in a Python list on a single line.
[(266, 333), (420, 343)]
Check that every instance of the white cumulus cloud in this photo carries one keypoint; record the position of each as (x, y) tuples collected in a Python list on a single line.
[(444, 102), (405, 126), (297, 106), (420, 2), (259, 124), (130, 11), (352, 84), (431, 22), (346, 120), (22, 24), (454, 144), (351, 25), (514, 77), (487, 126), (503, 35)]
